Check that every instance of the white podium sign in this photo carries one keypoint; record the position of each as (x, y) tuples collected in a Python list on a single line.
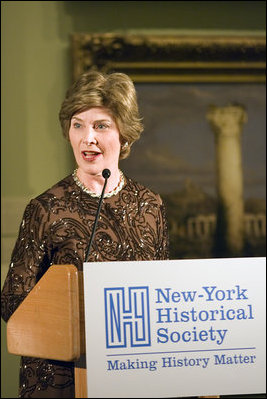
[(175, 328)]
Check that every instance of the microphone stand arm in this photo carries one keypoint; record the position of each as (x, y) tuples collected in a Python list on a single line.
[(96, 219)]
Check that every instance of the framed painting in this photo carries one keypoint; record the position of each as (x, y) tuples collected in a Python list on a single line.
[(172, 58), (178, 79)]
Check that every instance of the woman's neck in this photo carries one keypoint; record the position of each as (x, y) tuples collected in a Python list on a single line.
[(95, 182)]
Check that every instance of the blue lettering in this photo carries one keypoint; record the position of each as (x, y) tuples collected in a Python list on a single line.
[(113, 365), (165, 297), (162, 333), (189, 295), (161, 315), (184, 316), (209, 291), (241, 294), (228, 314), (175, 296)]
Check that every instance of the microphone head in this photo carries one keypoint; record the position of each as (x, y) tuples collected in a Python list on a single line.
[(106, 173)]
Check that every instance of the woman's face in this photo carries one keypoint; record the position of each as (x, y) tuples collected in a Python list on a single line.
[(95, 140)]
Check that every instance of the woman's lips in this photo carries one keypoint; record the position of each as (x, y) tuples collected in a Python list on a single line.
[(90, 156)]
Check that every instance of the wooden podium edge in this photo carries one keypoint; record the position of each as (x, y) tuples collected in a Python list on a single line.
[(47, 323)]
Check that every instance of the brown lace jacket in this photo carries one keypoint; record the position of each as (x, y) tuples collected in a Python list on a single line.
[(55, 229)]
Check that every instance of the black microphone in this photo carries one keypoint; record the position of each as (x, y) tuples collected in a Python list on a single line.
[(106, 174)]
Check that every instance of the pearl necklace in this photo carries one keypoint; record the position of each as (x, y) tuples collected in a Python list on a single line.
[(92, 194)]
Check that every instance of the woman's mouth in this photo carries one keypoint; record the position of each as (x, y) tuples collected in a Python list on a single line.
[(90, 156)]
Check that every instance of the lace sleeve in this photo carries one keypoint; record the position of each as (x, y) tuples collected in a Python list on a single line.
[(163, 235), (26, 260)]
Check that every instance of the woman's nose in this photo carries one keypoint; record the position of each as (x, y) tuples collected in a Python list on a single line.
[(90, 136)]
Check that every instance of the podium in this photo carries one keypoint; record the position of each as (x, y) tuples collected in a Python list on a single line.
[(49, 323)]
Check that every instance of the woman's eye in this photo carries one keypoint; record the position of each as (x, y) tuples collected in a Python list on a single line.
[(77, 125), (101, 126)]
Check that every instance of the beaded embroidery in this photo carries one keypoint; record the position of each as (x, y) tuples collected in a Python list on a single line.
[(55, 230)]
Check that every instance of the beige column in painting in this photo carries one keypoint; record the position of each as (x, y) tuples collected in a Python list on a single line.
[(227, 124)]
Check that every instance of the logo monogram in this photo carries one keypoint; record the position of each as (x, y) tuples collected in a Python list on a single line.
[(127, 317)]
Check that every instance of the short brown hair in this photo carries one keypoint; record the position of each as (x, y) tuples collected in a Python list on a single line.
[(114, 91)]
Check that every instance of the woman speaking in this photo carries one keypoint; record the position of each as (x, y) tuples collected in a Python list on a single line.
[(100, 118)]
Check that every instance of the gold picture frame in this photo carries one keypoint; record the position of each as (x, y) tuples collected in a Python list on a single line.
[(172, 58)]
